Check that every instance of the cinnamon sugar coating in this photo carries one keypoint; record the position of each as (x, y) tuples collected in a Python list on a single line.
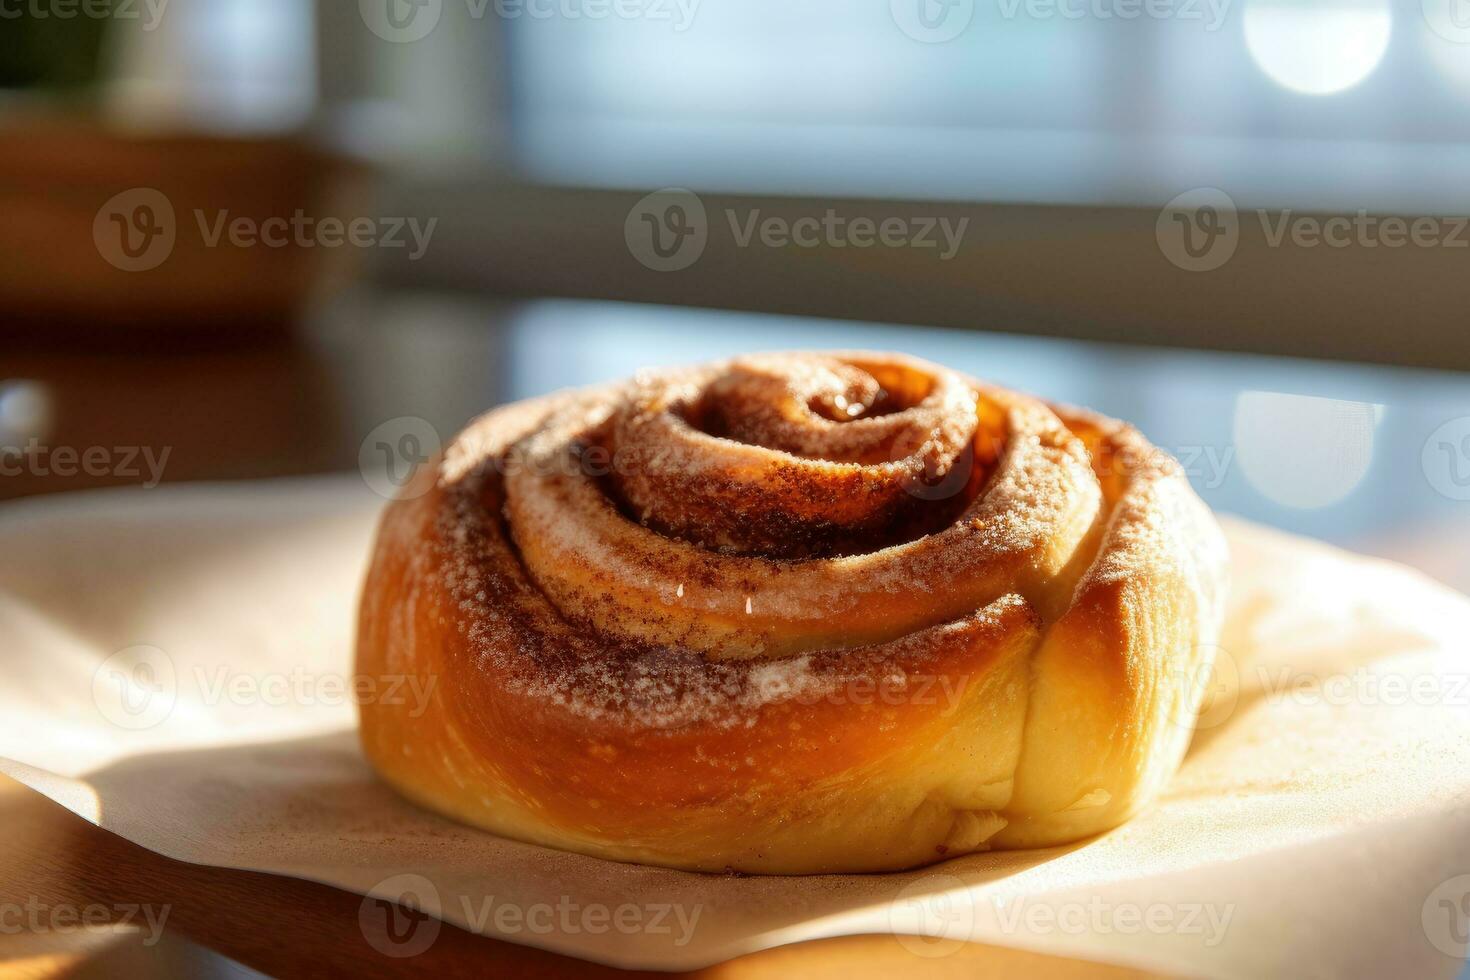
[(647, 608)]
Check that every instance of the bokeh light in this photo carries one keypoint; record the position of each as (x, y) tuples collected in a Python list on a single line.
[(1318, 47), (1301, 451)]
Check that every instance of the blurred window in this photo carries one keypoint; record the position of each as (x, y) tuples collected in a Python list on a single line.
[(1052, 101)]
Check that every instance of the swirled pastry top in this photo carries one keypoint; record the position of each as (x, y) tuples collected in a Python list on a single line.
[(638, 568)]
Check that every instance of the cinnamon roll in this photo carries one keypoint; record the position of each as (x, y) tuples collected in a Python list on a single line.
[(791, 613)]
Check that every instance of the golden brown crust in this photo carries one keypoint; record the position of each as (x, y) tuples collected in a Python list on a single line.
[(791, 614)]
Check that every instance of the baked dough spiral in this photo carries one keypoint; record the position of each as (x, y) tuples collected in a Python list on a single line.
[(791, 613)]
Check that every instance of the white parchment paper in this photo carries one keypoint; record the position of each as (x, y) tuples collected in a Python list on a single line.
[(176, 667)]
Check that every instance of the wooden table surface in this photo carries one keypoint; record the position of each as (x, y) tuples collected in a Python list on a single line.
[(285, 927)]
